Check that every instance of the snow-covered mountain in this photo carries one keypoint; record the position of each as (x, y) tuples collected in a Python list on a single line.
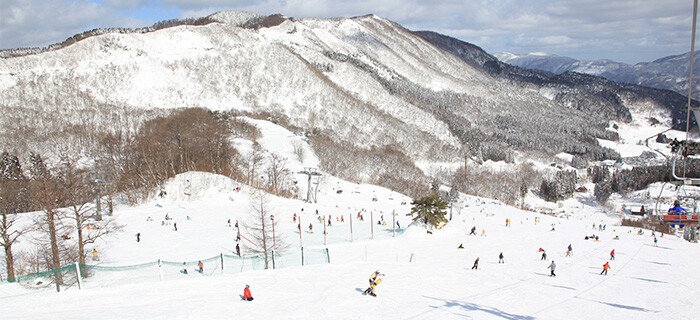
[(365, 81), (669, 72)]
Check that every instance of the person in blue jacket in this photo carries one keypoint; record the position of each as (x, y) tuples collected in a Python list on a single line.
[(677, 209)]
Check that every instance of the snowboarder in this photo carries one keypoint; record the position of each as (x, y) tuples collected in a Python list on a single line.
[(184, 268), (246, 294), (473, 232), (500, 258), (476, 264), (238, 250), (544, 255), (373, 282), (612, 254), (606, 266), (200, 265), (138, 237), (94, 255), (552, 266)]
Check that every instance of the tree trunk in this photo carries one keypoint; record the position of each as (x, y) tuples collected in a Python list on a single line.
[(9, 259), (264, 239), (54, 245), (81, 245)]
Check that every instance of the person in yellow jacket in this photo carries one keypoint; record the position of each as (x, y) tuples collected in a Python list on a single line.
[(94, 255), (373, 282)]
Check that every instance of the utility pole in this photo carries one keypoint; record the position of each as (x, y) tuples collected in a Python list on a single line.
[(309, 172), (96, 179)]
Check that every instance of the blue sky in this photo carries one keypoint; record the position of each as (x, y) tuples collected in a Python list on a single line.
[(620, 30)]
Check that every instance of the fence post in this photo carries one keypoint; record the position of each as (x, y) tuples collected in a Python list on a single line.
[(160, 270), (77, 270), (222, 262), (371, 223), (302, 256), (273, 259)]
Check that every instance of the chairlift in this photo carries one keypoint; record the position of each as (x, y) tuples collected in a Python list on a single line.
[(686, 187)]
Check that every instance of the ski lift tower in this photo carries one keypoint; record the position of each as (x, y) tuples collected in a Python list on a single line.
[(310, 172), (96, 179)]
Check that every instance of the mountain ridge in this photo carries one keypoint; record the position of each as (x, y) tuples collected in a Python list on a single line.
[(670, 72)]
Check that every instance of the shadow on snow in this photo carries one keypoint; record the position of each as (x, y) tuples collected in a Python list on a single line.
[(475, 307)]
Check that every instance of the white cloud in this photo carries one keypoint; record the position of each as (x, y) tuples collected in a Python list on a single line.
[(37, 23), (623, 30)]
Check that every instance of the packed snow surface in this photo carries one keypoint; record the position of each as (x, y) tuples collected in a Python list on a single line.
[(427, 277)]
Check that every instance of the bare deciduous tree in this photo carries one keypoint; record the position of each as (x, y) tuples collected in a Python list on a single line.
[(277, 173), (260, 228), (14, 198), (47, 192)]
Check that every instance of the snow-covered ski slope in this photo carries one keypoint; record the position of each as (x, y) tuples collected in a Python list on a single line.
[(427, 277), (645, 282)]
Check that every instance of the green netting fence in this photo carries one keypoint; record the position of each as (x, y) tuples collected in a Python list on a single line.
[(99, 276)]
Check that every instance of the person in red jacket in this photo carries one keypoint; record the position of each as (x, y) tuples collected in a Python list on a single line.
[(246, 294), (612, 254)]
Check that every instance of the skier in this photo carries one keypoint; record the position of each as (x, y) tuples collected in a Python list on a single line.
[(201, 266), (184, 268), (606, 266), (329, 220), (294, 218), (655, 242), (460, 246), (398, 225), (500, 258), (138, 237), (311, 228), (342, 218), (552, 266), (483, 232), (94, 255), (476, 264), (175, 225), (570, 248), (238, 250), (473, 231), (568, 253), (246, 293), (544, 255), (612, 254)]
